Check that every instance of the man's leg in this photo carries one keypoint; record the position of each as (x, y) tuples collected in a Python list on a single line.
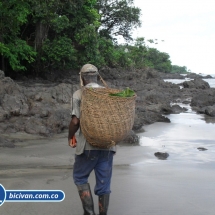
[(86, 199), (83, 166), (103, 172), (103, 204)]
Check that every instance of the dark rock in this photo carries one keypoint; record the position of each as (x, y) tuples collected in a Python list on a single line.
[(16, 124), (177, 109), (152, 74), (209, 119), (203, 98), (194, 76), (186, 102), (207, 76), (147, 116), (210, 111), (138, 123), (4, 114), (199, 110), (196, 83), (36, 126), (12, 99), (202, 149), (59, 120), (131, 139), (42, 107), (161, 155)]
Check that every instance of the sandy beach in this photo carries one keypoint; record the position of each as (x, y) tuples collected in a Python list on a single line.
[(141, 183)]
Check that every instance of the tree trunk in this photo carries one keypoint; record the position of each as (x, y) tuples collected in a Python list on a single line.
[(40, 36)]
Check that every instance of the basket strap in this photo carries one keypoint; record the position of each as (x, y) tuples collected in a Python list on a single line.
[(102, 80)]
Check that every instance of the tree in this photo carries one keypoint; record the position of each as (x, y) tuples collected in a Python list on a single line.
[(137, 52), (41, 35), (118, 18)]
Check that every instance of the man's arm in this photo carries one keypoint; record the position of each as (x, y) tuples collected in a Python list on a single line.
[(73, 127)]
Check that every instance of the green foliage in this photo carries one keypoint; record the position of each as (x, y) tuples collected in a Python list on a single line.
[(140, 56), (13, 13), (137, 53), (59, 53), (122, 57), (118, 18), (60, 23), (179, 69), (18, 54), (4, 50), (44, 10), (63, 34), (159, 60), (112, 55), (83, 25), (125, 93), (106, 50)]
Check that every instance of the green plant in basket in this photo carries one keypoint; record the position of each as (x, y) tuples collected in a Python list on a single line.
[(125, 93)]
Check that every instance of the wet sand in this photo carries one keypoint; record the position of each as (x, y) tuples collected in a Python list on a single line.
[(141, 184), (160, 189)]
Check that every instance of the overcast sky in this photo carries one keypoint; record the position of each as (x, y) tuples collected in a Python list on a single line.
[(187, 28)]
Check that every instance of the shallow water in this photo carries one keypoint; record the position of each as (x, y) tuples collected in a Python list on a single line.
[(181, 138)]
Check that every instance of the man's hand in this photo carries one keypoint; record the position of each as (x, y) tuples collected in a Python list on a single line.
[(72, 142), (73, 127)]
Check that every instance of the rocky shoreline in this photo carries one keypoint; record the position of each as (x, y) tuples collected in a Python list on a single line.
[(42, 107)]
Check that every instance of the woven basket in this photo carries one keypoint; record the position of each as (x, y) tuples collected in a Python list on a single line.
[(106, 120)]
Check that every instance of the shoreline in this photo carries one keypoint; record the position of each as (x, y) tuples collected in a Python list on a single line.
[(186, 132)]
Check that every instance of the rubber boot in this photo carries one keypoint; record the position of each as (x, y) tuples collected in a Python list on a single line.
[(103, 204), (86, 198)]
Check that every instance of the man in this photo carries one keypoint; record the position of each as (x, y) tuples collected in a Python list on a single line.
[(88, 157)]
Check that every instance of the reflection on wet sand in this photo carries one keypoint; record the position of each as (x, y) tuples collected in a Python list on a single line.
[(182, 137)]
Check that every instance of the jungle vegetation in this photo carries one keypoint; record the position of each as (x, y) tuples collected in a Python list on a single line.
[(41, 35)]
